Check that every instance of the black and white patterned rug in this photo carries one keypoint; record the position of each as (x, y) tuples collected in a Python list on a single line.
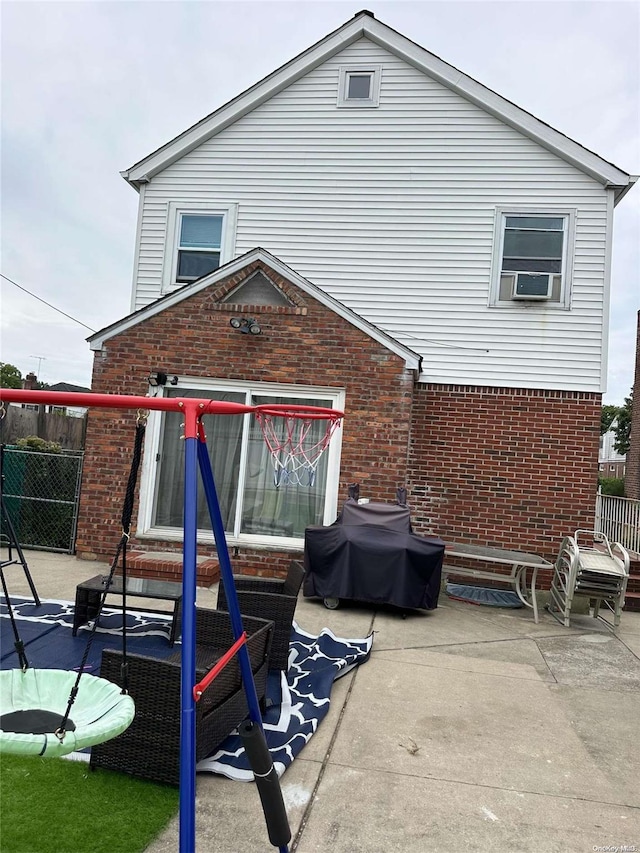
[(298, 700)]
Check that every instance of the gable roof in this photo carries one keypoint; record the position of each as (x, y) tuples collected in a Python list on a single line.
[(68, 387), (364, 24), (412, 359)]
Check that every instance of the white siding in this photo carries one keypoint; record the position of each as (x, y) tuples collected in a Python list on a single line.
[(391, 211)]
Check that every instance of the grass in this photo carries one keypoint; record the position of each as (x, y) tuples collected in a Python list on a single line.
[(51, 805)]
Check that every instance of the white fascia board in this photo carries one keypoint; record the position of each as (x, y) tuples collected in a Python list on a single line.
[(365, 25), (620, 192), (412, 359), (243, 103), (161, 304), (554, 141)]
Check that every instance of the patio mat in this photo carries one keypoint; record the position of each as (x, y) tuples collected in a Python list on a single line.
[(489, 596), (301, 699), (46, 634), (297, 700)]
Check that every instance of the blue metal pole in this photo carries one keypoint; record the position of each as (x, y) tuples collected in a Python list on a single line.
[(188, 656), (226, 573)]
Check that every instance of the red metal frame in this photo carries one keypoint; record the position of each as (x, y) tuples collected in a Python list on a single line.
[(226, 658), (195, 456), (193, 407)]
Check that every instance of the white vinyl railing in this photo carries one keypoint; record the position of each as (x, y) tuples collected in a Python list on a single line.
[(619, 520)]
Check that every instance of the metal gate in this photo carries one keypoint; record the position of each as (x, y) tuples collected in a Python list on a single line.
[(41, 493)]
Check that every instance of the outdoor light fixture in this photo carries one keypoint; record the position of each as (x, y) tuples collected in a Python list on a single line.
[(157, 378), (245, 325), (160, 378)]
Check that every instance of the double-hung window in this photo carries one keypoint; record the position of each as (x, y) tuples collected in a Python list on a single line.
[(532, 258), (253, 507), (200, 238), (199, 242)]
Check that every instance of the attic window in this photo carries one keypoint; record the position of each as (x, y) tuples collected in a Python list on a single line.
[(359, 86)]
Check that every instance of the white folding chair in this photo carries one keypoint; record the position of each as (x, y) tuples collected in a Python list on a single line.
[(590, 567)]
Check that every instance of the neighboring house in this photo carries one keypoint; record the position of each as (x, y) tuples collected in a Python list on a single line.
[(417, 251), (30, 382), (610, 462), (70, 411), (63, 425)]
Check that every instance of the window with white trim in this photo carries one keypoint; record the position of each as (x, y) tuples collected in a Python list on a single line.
[(359, 86), (254, 509), (200, 238), (198, 251), (532, 258)]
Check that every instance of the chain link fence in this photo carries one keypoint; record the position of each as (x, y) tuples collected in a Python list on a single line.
[(40, 494)]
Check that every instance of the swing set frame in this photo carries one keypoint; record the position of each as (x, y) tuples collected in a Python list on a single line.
[(196, 459)]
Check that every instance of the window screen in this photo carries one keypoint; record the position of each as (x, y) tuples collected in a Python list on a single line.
[(198, 246)]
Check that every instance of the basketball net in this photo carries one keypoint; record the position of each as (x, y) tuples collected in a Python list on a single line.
[(294, 445)]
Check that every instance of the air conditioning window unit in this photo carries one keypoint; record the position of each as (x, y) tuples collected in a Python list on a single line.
[(529, 285)]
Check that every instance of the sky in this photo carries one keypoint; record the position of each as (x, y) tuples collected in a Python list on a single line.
[(90, 88)]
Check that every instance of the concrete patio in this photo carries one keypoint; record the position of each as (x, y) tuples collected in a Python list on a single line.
[(470, 728)]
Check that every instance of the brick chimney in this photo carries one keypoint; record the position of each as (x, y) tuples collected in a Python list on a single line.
[(632, 475), (29, 382)]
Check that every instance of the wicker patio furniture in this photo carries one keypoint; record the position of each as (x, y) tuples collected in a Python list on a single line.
[(150, 747), (270, 598)]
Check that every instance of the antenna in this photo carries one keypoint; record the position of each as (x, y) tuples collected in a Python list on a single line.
[(40, 358)]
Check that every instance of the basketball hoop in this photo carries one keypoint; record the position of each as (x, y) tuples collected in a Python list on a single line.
[(294, 445)]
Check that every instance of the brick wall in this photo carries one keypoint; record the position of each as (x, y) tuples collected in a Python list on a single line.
[(306, 344), (503, 467)]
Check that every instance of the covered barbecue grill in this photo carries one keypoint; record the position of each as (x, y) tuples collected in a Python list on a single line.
[(371, 554)]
